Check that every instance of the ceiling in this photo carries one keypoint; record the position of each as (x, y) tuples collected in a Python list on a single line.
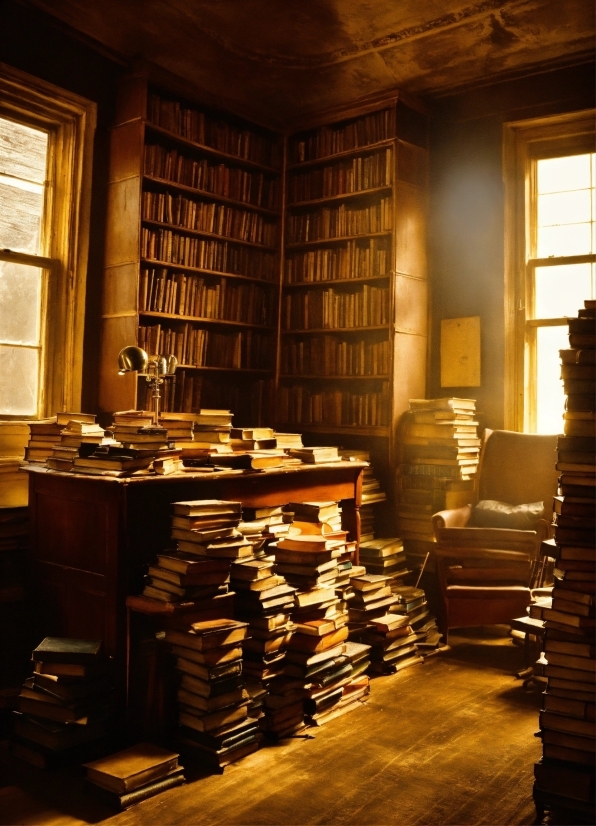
[(283, 59)]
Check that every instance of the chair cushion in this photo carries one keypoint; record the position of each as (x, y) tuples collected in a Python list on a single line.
[(489, 513), (487, 592)]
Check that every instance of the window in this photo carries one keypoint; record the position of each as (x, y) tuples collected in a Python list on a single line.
[(45, 152), (550, 221)]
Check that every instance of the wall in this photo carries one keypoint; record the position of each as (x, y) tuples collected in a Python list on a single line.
[(466, 236), (33, 42)]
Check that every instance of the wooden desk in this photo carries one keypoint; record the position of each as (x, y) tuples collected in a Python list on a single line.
[(92, 536)]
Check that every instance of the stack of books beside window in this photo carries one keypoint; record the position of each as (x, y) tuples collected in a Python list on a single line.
[(564, 777), (133, 775), (43, 435), (439, 448), (372, 493), (73, 435), (64, 708), (214, 725)]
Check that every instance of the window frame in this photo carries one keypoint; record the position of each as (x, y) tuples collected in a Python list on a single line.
[(71, 121), (524, 143)]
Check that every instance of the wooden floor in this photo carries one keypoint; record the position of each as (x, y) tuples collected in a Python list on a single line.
[(446, 742)]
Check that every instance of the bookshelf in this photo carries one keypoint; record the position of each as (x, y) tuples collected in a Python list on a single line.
[(353, 309), (192, 252)]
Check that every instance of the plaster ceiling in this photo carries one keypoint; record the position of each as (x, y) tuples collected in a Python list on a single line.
[(287, 58)]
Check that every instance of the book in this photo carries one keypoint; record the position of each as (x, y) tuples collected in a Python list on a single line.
[(131, 768), (125, 801), (66, 650)]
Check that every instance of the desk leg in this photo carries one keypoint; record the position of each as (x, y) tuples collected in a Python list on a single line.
[(127, 676)]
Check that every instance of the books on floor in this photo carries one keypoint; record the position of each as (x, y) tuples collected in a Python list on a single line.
[(134, 774)]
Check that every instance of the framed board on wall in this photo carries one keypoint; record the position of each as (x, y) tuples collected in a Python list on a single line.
[(460, 352)]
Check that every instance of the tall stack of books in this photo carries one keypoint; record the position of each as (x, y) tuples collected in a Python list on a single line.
[(392, 643), (212, 703), (372, 493), (179, 578), (43, 435), (439, 457), (64, 708), (133, 775), (564, 778)]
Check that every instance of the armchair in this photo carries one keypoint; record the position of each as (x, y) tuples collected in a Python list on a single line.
[(485, 573)]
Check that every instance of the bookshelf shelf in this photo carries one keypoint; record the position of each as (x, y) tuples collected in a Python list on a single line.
[(209, 150), (344, 196), (154, 262), (203, 320), (211, 368), (348, 153), (325, 377), (342, 239), (203, 234), (289, 285), (342, 330), (206, 195)]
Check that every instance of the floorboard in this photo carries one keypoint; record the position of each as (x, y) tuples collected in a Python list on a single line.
[(446, 743)]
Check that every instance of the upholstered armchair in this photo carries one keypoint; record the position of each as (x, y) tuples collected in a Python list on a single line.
[(487, 552)]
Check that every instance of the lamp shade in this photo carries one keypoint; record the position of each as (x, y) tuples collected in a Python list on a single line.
[(132, 358)]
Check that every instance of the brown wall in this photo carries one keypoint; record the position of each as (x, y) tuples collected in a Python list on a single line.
[(466, 236)]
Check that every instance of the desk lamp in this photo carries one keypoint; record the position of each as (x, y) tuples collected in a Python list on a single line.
[(133, 359)]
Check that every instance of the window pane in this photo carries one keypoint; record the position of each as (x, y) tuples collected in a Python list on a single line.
[(19, 380), (23, 159), (567, 239), (550, 399), (564, 208), (563, 174), (20, 303), (561, 290)]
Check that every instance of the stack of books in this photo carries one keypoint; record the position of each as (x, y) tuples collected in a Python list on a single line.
[(43, 435), (412, 603), (338, 688), (372, 494), (80, 436), (183, 578), (315, 455), (180, 427), (211, 430), (212, 702), (133, 775), (564, 778), (373, 597), (64, 708), (263, 599), (209, 528), (385, 556), (439, 456), (271, 523), (288, 441), (392, 643)]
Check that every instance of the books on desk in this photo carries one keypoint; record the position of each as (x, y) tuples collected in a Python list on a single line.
[(65, 706), (134, 774)]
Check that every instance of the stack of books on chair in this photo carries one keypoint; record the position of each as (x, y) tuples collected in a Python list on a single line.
[(134, 774), (372, 494), (412, 603), (43, 435), (392, 643), (564, 778), (64, 708), (439, 456), (212, 702)]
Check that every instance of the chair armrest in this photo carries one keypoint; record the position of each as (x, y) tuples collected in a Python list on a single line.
[(453, 518)]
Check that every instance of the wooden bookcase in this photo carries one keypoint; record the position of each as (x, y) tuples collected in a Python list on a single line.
[(353, 338), (192, 253)]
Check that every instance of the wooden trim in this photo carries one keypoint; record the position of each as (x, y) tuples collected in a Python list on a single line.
[(70, 120)]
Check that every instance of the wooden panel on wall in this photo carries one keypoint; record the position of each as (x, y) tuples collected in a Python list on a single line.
[(410, 230), (411, 305)]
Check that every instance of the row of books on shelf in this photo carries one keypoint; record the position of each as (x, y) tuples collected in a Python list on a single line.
[(334, 356), (202, 128), (340, 221), (344, 177), (208, 216), (187, 390), (364, 306), (362, 258), (178, 293), (207, 254), (329, 140), (206, 348), (250, 187), (336, 408)]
